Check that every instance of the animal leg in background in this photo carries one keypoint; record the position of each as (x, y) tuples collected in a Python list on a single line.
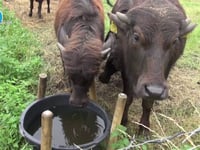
[(40, 8), (48, 6), (31, 8), (147, 106)]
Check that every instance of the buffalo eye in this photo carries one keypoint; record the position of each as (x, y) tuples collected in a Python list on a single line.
[(136, 37), (175, 43)]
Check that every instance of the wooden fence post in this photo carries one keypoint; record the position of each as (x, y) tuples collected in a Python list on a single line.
[(117, 117), (42, 85), (46, 127)]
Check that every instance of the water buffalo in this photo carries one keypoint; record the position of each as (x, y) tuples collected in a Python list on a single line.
[(39, 7), (79, 27), (146, 37)]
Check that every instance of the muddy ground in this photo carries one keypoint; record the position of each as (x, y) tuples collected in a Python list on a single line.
[(182, 107)]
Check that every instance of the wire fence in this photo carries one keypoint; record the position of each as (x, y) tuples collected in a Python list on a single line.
[(134, 143)]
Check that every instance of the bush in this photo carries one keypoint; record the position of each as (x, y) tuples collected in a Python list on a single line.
[(19, 63)]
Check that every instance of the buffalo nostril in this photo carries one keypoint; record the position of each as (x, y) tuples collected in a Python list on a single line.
[(154, 90)]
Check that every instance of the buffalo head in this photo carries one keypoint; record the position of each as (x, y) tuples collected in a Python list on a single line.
[(81, 69), (151, 42)]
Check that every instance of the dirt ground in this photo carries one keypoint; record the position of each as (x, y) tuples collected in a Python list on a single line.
[(182, 107)]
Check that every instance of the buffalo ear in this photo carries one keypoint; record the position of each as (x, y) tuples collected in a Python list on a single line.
[(119, 19), (187, 27)]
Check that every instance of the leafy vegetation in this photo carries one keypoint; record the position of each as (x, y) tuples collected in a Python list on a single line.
[(122, 138), (20, 65)]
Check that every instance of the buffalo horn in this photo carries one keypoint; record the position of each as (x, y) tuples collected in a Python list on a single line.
[(187, 26), (105, 52), (123, 17), (61, 47), (117, 21), (187, 20), (185, 23), (190, 27)]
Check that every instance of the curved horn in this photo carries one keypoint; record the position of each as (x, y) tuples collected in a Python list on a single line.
[(61, 47), (119, 22), (123, 17), (187, 20), (105, 53), (185, 23), (187, 27), (190, 27)]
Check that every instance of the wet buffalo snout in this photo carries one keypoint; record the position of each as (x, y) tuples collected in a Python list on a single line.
[(158, 92), (78, 102)]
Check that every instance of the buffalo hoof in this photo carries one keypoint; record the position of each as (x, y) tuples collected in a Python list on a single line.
[(30, 14), (144, 132), (104, 78)]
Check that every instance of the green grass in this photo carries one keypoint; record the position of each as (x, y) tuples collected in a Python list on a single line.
[(107, 9), (18, 77), (191, 56)]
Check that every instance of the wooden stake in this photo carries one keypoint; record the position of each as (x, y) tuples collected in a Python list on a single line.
[(46, 133), (117, 117), (92, 91), (42, 85)]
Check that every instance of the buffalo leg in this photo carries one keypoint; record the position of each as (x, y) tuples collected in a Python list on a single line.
[(128, 90), (109, 70), (40, 8), (31, 8), (48, 4), (147, 107)]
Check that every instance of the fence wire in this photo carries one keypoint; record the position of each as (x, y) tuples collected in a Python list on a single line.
[(134, 142)]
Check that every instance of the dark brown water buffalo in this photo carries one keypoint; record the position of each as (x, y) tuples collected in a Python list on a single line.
[(39, 7), (79, 27), (147, 37)]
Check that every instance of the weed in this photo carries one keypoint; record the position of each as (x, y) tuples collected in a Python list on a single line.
[(19, 65)]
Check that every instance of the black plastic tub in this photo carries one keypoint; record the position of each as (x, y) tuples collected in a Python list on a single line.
[(32, 116)]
